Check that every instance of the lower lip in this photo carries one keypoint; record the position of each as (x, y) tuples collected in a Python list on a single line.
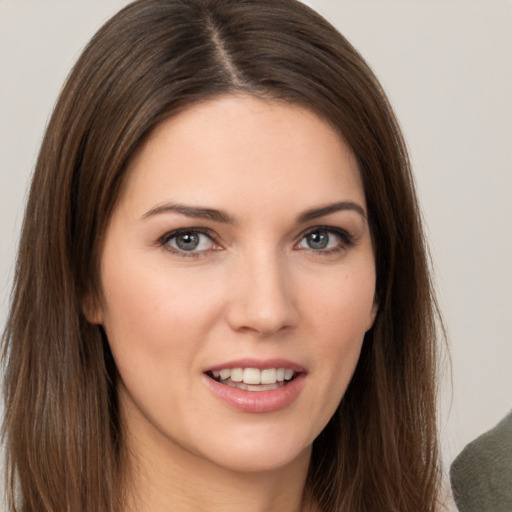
[(257, 401)]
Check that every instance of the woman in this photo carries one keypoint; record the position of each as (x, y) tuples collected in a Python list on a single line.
[(222, 297)]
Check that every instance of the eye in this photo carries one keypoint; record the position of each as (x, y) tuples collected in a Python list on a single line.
[(188, 241), (325, 239)]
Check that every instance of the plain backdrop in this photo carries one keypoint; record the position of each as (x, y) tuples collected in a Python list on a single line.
[(447, 68)]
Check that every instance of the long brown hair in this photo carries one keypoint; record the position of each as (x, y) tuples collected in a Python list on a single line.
[(63, 434)]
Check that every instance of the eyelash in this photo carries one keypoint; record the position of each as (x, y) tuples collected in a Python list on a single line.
[(165, 239), (346, 240)]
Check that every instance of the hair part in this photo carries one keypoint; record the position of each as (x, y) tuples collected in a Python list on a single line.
[(63, 431)]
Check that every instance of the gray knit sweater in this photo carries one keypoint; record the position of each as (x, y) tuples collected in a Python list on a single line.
[(481, 475)]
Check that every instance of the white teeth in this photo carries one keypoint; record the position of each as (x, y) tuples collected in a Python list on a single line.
[(262, 387), (237, 375), (269, 376), (254, 377), (249, 387), (224, 374)]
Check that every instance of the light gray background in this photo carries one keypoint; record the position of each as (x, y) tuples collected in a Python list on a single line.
[(447, 67)]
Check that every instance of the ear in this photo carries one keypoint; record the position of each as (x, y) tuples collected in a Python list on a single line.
[(92, 309), (373, 313)]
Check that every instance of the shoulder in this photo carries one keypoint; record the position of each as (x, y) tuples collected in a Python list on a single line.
[(481, 475)]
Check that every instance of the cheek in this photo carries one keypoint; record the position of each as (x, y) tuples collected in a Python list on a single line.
[(344, 303), (342, 310), (142, 299), (154, 321)]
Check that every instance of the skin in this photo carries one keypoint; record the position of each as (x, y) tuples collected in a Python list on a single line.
[(254, 287)]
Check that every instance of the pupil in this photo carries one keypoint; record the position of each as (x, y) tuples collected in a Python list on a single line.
[(318, 240), (187, 241)]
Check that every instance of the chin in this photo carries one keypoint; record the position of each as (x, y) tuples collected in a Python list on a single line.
[(253, 449), (260, 459)]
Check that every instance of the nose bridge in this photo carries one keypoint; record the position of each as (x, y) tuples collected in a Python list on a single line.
[(262, 298)]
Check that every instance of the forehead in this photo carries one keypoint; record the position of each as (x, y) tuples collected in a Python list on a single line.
[(244, 152)]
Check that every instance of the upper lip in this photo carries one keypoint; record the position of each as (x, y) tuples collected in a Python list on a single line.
[(260, 364)]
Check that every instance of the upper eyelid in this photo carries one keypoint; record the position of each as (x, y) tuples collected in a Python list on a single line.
[(347, 239), (163, 242), (331, 229), (175, 232)]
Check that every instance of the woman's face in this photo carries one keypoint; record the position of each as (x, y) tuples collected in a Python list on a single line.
[(239, 252)]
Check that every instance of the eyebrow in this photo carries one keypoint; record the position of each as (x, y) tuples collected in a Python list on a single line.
[(224, 218), (315, 213), (191, 211)]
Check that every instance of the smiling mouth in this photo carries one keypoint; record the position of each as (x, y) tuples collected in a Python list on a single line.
[(253, 379)]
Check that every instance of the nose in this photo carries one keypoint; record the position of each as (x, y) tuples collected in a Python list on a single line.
[(261, 297)]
